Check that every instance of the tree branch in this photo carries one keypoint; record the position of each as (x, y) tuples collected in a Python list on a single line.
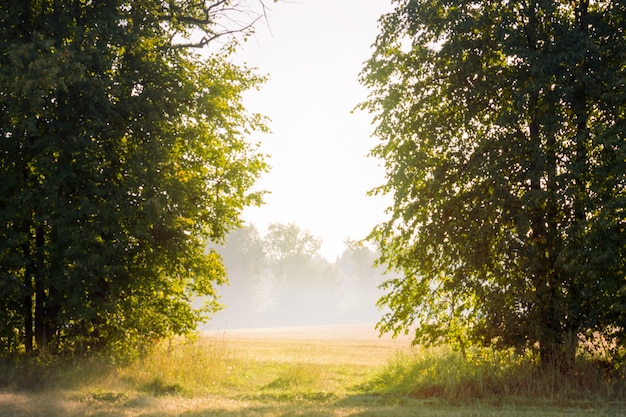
[(209, 17)]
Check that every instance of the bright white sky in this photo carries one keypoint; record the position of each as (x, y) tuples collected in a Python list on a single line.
[(313, 51)]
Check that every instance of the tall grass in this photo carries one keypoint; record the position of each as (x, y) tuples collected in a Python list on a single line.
[(211, 366), (494, 376), (280, 376), (182, 366), (43, 373)]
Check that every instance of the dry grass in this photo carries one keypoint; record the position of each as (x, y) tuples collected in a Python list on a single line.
[(270, 374)]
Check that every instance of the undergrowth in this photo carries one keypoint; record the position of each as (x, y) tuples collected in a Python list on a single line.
[(495, 376), (43, 373)]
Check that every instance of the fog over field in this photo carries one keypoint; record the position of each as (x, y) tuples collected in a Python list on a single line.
[(279, 280)]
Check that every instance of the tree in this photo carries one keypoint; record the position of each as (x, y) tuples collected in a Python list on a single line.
[(359, 259), (245, 298), (121, 152), (303, 280), (244, 253), (360, 282), (290, 250), (502, 127)]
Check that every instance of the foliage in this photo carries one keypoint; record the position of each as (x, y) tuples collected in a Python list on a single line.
[(359, 260), (121, 152), (501, 126)]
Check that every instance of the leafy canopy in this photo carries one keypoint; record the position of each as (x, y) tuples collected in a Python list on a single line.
[(121, 152), (502, 127)]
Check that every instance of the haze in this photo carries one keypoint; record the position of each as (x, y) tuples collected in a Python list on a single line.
[(313, 52), (278, 279)]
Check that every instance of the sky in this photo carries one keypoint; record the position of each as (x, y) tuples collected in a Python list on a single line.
[(313, 51)]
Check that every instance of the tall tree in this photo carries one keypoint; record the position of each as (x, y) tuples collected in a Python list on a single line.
[(502, 127), (121, 152)]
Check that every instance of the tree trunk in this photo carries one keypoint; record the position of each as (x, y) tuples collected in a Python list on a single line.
[(28, 319), (40, 291), (28, 299), (558, 352)]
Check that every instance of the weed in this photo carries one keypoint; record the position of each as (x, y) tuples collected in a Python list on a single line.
[(181, 367)]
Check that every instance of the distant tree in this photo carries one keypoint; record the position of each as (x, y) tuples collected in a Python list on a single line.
[(121, 153), (244, 298), (244, 253), (295, 285), (360, 280), (359, 259), (290, 250), (502, 127), (303, 280)]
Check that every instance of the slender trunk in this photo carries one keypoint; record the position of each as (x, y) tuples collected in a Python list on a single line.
[(54, 296), (28, 298), (558, 350), (40, 291), (581, 117), (28, 324), (544, 244)]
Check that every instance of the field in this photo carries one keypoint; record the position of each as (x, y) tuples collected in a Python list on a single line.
[(307, 372)]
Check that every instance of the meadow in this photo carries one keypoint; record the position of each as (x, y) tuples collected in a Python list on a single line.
[(341, 371)]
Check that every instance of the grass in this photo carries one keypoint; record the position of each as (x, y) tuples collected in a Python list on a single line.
[(256, 377), (497, 378)]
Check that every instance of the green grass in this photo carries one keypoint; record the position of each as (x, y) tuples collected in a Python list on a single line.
[(496, 378), (255, 377)]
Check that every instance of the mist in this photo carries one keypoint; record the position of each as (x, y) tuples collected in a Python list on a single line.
[(279, 279)]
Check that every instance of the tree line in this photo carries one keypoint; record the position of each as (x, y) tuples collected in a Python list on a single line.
[(278, 278)]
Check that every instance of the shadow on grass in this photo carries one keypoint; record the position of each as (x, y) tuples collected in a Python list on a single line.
[(157, 388), (111, 404), (28, 405)]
